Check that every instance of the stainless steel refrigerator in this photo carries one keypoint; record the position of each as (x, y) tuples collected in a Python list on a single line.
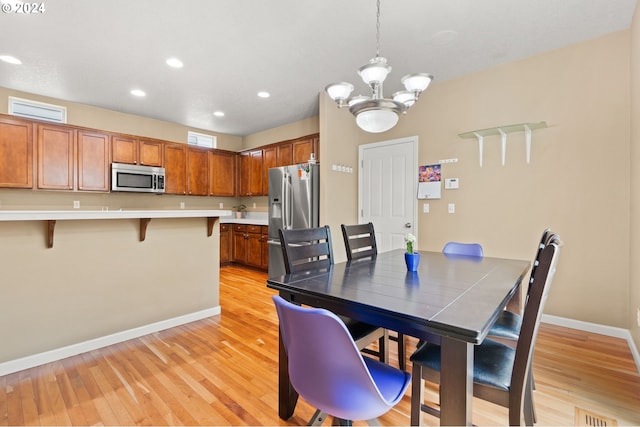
[(293, 203)]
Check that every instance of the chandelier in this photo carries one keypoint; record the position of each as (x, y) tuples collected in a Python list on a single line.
[(376, 113)]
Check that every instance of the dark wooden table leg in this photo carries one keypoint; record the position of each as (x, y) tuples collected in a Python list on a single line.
[(287, 396), (456, 382)]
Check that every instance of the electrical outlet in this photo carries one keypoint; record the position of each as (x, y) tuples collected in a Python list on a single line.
[(76, 204), (254, 205), (221, 206), (425, 208), (452, 208), (181, 205)]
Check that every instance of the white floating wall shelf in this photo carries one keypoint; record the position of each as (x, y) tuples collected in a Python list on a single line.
[(527, 128)]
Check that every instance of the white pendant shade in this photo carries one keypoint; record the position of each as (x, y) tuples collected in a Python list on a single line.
[(376, 121), (339, 91), (417, 82), (407, 97), (375, 71)]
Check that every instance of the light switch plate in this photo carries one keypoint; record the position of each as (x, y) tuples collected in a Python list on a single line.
[(452, 208), (425, 208)]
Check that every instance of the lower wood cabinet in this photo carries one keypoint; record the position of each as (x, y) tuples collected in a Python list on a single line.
[(226, 248), (249, 245)]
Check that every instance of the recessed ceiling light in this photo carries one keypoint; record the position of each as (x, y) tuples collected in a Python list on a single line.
[(218, 114), (264, 94), (10, 59), (138, 92), (175, 63)]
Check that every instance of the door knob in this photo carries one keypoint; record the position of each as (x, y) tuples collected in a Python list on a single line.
[(407, 225)]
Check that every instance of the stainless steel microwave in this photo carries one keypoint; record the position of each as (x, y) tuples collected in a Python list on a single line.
[(141, 179)]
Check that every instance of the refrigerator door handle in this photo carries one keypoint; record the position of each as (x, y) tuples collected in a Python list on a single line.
[(286, 201)]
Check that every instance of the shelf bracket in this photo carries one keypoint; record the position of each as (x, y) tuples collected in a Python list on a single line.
[(527, 136), (50, 228), (503, 138), (480, 144), (144, 222)]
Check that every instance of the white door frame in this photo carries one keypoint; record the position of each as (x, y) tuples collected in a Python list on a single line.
[(410, 139)]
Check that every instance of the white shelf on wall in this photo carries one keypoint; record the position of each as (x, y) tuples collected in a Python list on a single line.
[(503, 131)]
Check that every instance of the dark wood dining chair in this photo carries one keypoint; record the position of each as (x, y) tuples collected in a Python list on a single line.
[(507, 326), (501, 374), (310, 249), (360, 242)]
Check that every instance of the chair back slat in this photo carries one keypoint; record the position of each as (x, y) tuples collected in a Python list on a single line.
[(306, 249), (359, 240)]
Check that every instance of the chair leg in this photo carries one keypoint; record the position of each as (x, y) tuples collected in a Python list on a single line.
[(317, 418), (383, 347), (401, 352), (529, 406), (417, 394)]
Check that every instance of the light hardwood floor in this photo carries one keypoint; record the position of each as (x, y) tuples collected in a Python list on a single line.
[(223, 371)]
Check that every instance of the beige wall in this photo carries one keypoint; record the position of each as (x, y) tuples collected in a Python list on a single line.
[(99, 279), (114, 121), (577, 182), (634, 284)]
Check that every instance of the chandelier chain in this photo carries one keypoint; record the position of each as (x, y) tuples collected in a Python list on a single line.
[(378, 29)]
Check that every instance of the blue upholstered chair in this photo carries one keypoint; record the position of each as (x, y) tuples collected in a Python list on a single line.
[(328, 371), (501, 374), (360, 242), (467, 249)]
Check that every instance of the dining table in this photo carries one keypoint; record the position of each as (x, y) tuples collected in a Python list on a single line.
[(450, 300)]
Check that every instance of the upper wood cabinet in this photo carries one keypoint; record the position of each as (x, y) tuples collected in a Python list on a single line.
[(131, 150), (175, 159), (16, 153), (250, 175), (303, 148), (269, 160), (198, 171), (56, 150), (93, 161), (222, 173), (284, 154)]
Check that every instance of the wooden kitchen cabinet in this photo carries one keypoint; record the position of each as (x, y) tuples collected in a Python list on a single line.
[(226, 248), (175, 158), (254, 246), (16, 153), (303, 148), (93, 161), (151, 152), (55, 158), (198, 171), (222, 173), (134, 151), (284, 154), (269, 160), (250, 173), (249, 245), (240, 243)]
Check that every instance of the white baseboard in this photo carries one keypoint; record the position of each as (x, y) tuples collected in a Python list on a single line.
[(74, 349), (596, 329)]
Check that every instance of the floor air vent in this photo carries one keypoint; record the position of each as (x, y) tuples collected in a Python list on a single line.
[(588, 418)]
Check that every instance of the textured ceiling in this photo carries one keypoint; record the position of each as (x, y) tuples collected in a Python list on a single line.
[(95, 52)]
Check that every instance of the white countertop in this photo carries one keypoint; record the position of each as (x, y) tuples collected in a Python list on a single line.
[(252, 218), (31, 215)]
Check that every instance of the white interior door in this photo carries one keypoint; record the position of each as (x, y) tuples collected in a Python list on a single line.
[(387, 189)]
